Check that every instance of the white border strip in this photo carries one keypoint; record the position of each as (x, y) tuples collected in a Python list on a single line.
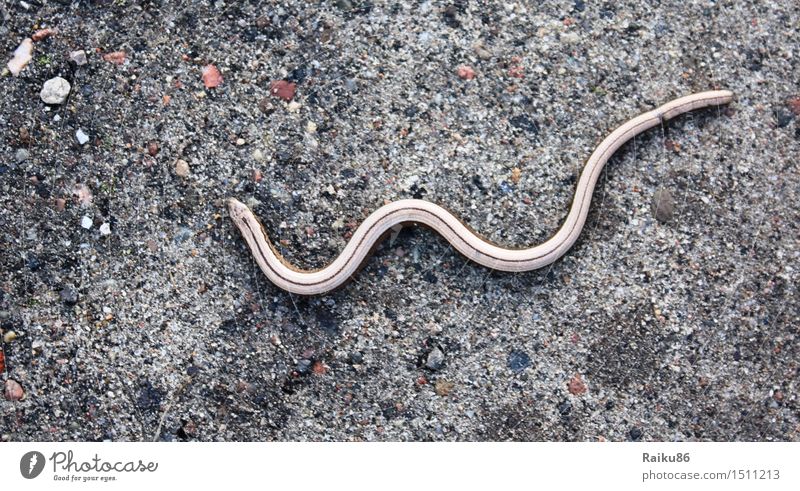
[(422, 466)]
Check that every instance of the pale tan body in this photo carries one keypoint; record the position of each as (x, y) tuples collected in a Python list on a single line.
[(463, 239)]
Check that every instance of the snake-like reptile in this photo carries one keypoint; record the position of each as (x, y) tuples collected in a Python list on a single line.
[(466, 241)]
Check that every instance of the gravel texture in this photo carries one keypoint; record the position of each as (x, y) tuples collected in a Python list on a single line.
[(153, 322)]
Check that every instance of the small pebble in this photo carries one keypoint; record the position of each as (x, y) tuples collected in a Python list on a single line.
[(21, 155), (303, 366), (663, 205), (783, 118), (793, 103), (25, 136), (61, 204), (240, 142), (43, 33), (22, 55), (81, 137), (311, 127), (516, 71), (265, 106), (443, 387), (78, 57), (262, 22), (435, 359), (83, 194), (9, 336), (182, 168), (576, 386), (516, 173), (482, 53), (283, 89), (13, 390), (211, 76), (86, 222), (518, 361), (55, 91), (115, 57), (69, 295), (319, 368), (153, 148), (105, 229), (465, 72), (258, 155)]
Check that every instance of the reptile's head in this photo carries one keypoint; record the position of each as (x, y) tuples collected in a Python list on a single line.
[(237, 210)]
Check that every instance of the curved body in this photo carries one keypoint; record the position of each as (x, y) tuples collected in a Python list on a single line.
[(305, 282)]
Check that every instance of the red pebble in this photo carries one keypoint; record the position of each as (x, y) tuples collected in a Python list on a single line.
[(13, 391), (576, 386), (465, 72), (283, 89), (115, 57), (794, 105), (516, 72), (319, 368), (211, 76), (43, 33)]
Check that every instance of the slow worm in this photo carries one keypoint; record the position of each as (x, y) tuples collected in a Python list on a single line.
[(466, 241)]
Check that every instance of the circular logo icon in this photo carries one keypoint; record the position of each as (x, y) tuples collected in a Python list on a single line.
[(31, 464)]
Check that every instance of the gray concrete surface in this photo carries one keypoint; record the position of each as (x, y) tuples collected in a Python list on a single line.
[(683, 327)]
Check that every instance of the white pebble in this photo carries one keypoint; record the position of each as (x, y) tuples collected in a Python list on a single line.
[(105, 229), (182, 168), (79, 57), (22, 55), (81, 136), (86, 222), (55, 91)]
